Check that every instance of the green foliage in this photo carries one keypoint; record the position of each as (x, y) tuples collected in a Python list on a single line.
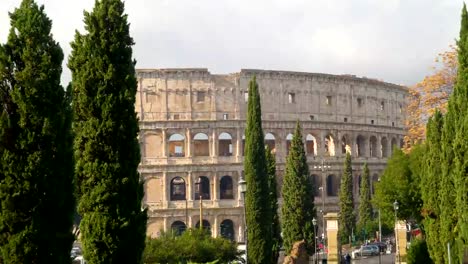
[(347, 218), (418, 253), (36, 167), (107, 154), (193, 246), (298, 200), (365, 206), (276, 227), (259, 226)]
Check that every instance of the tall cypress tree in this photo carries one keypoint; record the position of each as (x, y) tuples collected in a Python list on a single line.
[(276, 228), (347, 218), (107, 154), (259, 232), (365, 206), (298, 200), (430, 188), (36, 165)]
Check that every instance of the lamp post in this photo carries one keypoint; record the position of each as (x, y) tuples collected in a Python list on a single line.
[(314, 223), (397, 250), (243, 188), (198, 183), (323, 167)]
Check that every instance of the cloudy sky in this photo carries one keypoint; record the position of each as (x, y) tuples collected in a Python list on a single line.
[(391, 40)]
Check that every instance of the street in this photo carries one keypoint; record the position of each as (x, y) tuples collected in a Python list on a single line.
[(385, 259)]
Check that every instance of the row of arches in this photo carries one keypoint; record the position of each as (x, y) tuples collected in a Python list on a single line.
[(333, 183), (226, 228), (178, 189), (360, 146)]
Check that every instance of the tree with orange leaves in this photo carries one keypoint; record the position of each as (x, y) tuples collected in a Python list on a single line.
[(430, 94)]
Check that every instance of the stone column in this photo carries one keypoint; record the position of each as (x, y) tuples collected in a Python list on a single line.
[(188, 136), (333, 243), (189, 186), (400, 231), (164, 143), (238, 151), (215, 196), (214, 143), (165, 185), (215, 226)]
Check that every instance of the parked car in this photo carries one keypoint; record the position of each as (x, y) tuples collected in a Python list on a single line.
[(382, 246), (367, 250)]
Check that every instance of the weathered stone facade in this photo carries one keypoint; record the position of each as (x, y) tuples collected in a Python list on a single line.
[(192, 124)]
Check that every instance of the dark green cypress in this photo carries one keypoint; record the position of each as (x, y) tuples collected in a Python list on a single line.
[(272, 185), (107, 153), (259, 232), (347, 218), (36, 165), (298, 199), (365, 206)]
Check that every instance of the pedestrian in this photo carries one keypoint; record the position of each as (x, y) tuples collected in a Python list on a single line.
[(348, 258)]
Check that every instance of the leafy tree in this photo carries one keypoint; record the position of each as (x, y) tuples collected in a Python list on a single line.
[(258, 211), (298, 199), (430, 187), (194, 246), (107, 154), (347, 218), (365, 206), (418, 253), (36, 167), (276, 228)]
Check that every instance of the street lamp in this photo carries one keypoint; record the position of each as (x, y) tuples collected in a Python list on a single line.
[(198, 183), (323, 212), (323, 167), (314, 223), (395, 207), (243, 188)]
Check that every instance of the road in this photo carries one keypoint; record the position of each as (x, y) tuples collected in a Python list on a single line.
[(385, 259)]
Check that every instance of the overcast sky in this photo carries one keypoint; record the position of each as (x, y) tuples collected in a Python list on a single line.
[(391, 40)]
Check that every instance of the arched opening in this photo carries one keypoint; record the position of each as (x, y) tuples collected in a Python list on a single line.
[(201, 146), (227, 229), (205, 189), (373, 146), (178, 227), (176, 145), (332, 185), (394, 144), (311, 145), (360, 146), (206, 225), (402, 143), (270, 141), (178, 189), (384, 145), (226, 188), (243, 145), (224, 145), (289, 138), (317, 184), (345, 145), (329, 146)]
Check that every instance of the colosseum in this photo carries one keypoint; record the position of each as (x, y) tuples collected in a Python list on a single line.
[(192, 138)]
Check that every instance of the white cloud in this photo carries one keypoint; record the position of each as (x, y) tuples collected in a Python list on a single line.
[(392, 40)]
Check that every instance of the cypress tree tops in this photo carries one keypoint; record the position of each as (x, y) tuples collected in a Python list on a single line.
[(365, 206), (347, 218), (298, 200), (257, 202), (276, 228), (36, 169), (107, 153)]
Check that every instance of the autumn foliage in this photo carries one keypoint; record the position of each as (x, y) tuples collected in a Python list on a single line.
[(430, 94)]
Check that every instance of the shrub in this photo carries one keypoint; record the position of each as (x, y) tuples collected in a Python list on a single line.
[(418, 252)]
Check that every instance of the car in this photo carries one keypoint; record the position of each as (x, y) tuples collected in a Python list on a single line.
[(367, 250), (382, 246)]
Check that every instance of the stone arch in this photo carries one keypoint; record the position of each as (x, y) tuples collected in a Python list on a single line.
[(226, 188), (201, 145), (329, 145), (374, 180), (205, 189), (227, 229), (178, 227), (332, 185), (289, 138), (402, 143), (311, 145), (360, 146), (373, 146), (177, 145), (345, 144), (384, 147), (225, 144), (206, 225), (270, 141), (153, 145), (393, 144), (178, 189), (317, 180)]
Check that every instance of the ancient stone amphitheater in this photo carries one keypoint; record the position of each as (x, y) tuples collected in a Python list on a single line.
[(192, 131)]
